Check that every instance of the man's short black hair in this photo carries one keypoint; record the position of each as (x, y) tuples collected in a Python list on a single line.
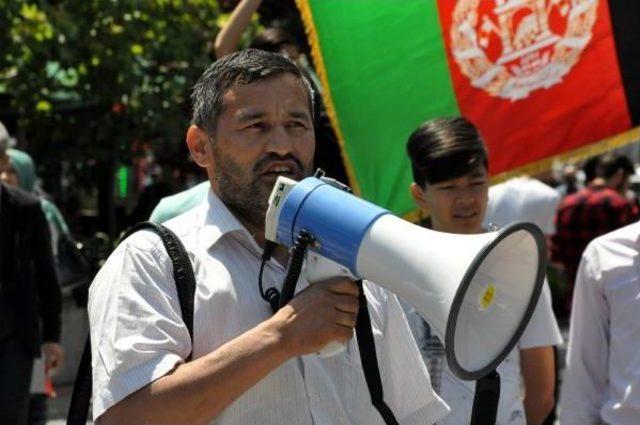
[(444, 149), (611, 163), (243, 67)]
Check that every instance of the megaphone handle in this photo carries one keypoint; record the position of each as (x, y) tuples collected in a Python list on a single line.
[(331, 349), (319, 268)]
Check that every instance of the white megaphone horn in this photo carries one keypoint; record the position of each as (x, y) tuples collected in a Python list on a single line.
[(477, 292)]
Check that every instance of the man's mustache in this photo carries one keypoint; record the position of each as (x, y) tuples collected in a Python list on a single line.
[(263, 163)]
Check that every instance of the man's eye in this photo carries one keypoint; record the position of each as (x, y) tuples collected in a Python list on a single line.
[(479, 183), (257, 126), (445, 187), (296, 124)]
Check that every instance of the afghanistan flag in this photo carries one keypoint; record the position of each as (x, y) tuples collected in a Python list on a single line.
[(542, 80)]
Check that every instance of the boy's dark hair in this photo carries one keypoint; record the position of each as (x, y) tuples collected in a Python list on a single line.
[(611, 163), (444, 149), (243, 67)]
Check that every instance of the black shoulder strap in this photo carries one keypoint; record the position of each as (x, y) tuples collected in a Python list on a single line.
[(369, 360), (186, 287), (485, 401)]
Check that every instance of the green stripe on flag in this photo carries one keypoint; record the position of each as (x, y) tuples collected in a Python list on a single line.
[(387, 72)]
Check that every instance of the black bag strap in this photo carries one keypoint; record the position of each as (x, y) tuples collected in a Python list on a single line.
[(485, 401), (186, 287), (369, 360)]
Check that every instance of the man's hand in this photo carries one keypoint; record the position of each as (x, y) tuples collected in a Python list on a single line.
[(324, 312), (53, 356)]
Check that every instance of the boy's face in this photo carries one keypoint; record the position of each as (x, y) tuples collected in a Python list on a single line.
[(457, 205)]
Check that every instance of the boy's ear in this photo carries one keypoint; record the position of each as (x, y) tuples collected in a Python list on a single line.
[(198, 142), (418, 195)]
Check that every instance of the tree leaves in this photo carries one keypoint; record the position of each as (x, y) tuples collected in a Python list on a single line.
[(125, 67)]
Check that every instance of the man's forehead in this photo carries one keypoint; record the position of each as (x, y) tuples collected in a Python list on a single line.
[(286, 87), (285, 82)]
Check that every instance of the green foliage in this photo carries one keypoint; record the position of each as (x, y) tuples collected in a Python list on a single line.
[(99, 74)]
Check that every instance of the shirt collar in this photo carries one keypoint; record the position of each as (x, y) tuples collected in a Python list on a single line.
[(219, 221)]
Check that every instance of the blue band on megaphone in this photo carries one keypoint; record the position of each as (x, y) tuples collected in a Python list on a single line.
[(337, 220)]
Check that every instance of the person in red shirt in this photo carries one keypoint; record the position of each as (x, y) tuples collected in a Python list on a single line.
[(599, 208)]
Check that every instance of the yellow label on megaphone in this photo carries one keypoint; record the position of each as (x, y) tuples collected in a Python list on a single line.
[(487, 298)]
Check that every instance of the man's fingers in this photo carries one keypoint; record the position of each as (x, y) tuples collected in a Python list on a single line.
[(345, 303), (347, 320), (343, 286)]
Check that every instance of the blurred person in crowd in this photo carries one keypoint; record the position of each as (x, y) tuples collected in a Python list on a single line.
[(252, 122), (30, 298), (602, 379), (21, 173), (174, 205), (523, 199), (450, 171), (589, 169), (275, 40), (157, 188), (597, 209), (24, 176), (570, 182)]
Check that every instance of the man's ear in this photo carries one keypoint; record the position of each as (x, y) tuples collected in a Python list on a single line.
[(198, 143), (417, 193)]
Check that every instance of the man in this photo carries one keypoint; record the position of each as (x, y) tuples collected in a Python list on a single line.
[(30, 299), (449, 163), (523, 199), (597, 209), (252, 121), (601, 381)]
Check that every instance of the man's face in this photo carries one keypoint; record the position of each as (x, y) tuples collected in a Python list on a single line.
[(458, 205), (264, 131)]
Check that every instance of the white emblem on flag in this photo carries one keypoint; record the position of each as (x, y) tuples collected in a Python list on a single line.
[(510, 48)]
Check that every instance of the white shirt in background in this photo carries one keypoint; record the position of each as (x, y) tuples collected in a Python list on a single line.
[(602, 377), (523, 199), (138, 334)]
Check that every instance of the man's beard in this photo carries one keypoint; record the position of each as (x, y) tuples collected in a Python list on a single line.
[(247, 194)]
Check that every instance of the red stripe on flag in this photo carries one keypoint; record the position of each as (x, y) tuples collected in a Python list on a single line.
[(500, 58)]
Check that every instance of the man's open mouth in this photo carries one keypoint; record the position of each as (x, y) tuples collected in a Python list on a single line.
[(281, 169), (466, 214)]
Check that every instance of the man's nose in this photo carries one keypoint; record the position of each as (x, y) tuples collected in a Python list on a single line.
[(279, 141)]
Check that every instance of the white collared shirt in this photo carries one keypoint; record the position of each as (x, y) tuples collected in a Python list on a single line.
[(602, 377), (138, 334)]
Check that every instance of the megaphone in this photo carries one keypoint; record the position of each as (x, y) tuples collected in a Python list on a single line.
[(477, 292)]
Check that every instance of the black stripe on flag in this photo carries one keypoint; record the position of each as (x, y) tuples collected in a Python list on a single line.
[(625, 17)]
